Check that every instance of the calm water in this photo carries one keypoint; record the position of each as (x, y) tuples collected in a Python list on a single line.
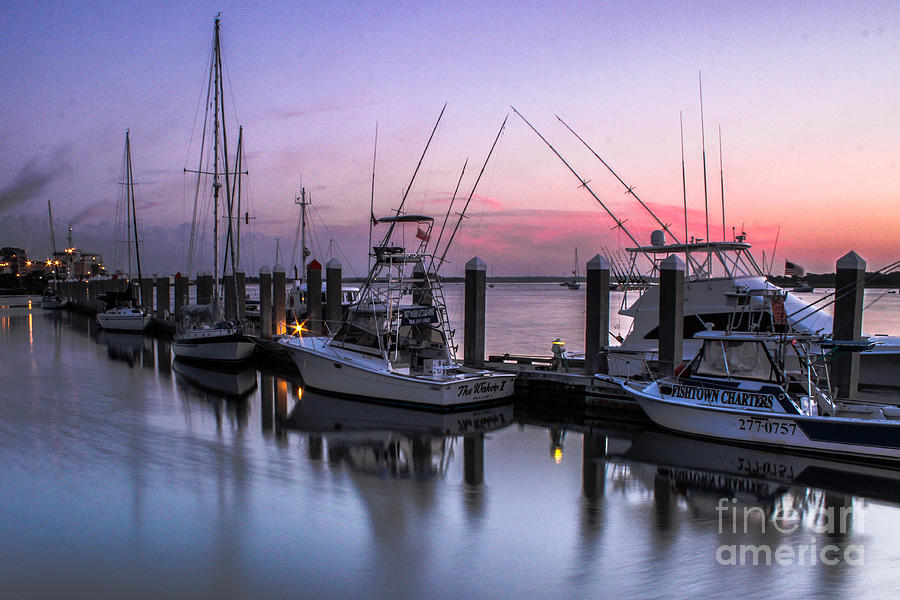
[(125, 476)]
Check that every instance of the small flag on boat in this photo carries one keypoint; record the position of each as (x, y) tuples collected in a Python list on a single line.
[(374, 220), (793, 269), (422, 234)]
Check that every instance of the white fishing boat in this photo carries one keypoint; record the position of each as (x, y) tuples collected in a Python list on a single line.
[(201, 333), (395, 343), (128, 317), (720, 276), (767, 389)]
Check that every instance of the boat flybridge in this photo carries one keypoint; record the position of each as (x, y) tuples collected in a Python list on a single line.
[(394, 343), (721, 277)]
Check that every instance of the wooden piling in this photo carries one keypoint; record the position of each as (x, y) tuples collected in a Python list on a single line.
[(265, 303), (473, 327), (849, 286), (205, 285), (240, 285), (230, 297), (314, 297), (332, 295), (596, 316), (147, 294), (162, 297), (181, 293), (279, 317), (671, 314)]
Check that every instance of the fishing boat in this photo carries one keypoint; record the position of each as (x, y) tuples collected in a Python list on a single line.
[(395, 343), (201, 333), (769, 389), (128, 317), (573, 283)]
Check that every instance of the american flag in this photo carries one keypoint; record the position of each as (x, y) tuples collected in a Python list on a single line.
[(793, 269), (422, 234)]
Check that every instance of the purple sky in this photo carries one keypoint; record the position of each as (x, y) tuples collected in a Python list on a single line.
[(806, 95)]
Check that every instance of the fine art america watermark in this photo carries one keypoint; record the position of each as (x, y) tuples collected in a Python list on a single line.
[(753, 520)]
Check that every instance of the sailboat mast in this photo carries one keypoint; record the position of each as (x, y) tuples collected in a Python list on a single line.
[(129, 178), (128, 204), (52, 236)]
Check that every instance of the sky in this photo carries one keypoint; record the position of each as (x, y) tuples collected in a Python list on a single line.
[(805, 95)]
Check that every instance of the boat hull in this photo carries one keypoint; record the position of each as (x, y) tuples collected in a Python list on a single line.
[(232, 348), (858, 438), (325, 368), (120, 322)]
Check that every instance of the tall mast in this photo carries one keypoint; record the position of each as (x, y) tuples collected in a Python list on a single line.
[(216, 183), (129, 178), (128, 190), (303, 202), (52, 237)]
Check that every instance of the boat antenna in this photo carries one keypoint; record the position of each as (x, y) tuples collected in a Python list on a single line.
[(449, 208), (722, 182), (584, 184), (705, 187), (399, 210), (628, 188), (462, 214), (687, 250), (775, 247), (372, 219)]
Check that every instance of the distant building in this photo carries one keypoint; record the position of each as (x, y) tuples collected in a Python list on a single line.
[(13, 261), (73, 263)]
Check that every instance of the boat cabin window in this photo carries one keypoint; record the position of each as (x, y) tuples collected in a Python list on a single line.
[(352, 333), (738, 359)]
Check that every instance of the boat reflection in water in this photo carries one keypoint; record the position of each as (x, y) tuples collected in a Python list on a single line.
[(213, 384), (394, 442), (131, 348)]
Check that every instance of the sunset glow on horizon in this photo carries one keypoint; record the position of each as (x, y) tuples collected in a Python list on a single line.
[(805, 96)]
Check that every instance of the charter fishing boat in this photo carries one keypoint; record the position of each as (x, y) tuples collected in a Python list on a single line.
[(127, 317), (201, 332), (770, 389), (395, 343)]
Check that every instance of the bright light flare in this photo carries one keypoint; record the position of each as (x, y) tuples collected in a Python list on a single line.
[(299, 328), (557, 455)]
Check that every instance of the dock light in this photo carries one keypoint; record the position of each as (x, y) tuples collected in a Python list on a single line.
[(299, 328), (299, 393), (559, 347)]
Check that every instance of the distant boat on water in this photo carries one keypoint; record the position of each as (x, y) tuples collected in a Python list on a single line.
[(573, 283)]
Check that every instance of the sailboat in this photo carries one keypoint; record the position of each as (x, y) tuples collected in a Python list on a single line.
[(573, 283), (201, 332), (127, 317), (395, 343), (51, 298)]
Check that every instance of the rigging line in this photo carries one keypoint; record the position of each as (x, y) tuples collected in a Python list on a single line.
[(372, 201), (619, 224), (390, 231), (843, 291), (472, 193)]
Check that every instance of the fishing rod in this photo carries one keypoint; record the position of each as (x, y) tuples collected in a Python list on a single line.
[(390, 231), (705, 189), (447, 215), (687, 252), (722, 182), (584, 184), (472, 193), (629, 189), (372, 219)]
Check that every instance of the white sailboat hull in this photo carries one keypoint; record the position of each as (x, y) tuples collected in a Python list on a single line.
[(227, 351), (353, 374), (128, 320)]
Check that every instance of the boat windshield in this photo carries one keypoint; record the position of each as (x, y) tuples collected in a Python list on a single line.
[(735, 359)]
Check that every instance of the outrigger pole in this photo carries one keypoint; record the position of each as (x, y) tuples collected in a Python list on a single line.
[(584, 184), (472, 193), (399, 209), (449, 208)]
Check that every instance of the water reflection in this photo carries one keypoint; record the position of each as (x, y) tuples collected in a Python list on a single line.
[(395, 442)]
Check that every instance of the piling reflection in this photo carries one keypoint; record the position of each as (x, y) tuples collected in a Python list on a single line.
[(131, 348)]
